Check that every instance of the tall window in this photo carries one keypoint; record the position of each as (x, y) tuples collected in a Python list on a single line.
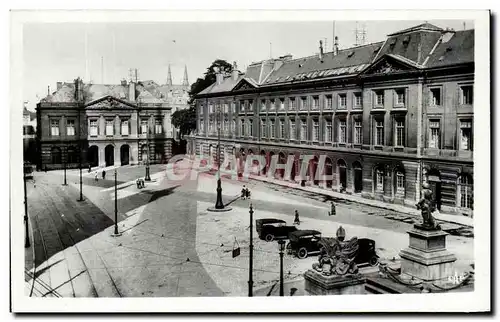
[(465, 190), (211, 108), (400, 183), (315, 103), (328, 102), (358, 100), (435, 96), (273, 104), (250, 106), (70, 127), (272, 129), (379, 180), (342, 101), (233, 108), (54, 127), (262, 105), (233, 127), (202, 127), (315, 130), (293, 103), (263, 128), (342, 131), (144, 126), (303, 130), (358, 132), (158, 127), (250, 128), (282, 129), (379, 132), (242, 106), (328, 131), (201, 110), (282, 103), (93, 128), (467, 94), (379, 98), (434, 134), (303, 103), (124, 127), (293, 130), (400, 97), (210, 127), (465, 135), (242, 128), (109, 127), (226, 126), (400, 133), (226, 108)]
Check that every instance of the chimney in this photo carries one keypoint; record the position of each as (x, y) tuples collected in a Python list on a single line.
[(78, 89), (321, 50), (48, 90), (218, 76), (236, 72), (336, 46), (131, 92)]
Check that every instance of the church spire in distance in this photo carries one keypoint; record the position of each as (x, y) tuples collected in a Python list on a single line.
[(169, 76), (185, 81)]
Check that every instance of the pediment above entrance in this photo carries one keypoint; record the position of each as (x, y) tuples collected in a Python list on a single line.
[(109, 102)]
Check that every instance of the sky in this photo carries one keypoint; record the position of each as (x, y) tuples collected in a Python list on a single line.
[(56, 52)]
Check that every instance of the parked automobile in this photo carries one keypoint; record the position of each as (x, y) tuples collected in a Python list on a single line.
[(270, 229), (303, 243), (306, 242)]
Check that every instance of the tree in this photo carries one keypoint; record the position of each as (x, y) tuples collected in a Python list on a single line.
[(185, 120)]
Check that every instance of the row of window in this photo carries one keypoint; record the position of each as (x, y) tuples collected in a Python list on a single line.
[(301, 102), (109, 129), (299, 130)]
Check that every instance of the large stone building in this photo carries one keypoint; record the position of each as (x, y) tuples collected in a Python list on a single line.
[(387, 116), (105, 125)]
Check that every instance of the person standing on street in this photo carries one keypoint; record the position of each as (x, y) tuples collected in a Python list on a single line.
[(103, 174), (96, 177), (297, 219), (333, 211)]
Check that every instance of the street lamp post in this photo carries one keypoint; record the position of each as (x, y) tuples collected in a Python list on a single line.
[(218, 203), (116, 233), (281, 243), (80, 149), (65, 161), (27, 234), (250, 269)]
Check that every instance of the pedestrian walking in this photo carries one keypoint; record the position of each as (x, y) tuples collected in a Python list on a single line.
[(243, 192), (333, 211), (96, 177), (296, 221), (90, 168), (247, 193), (103, 174)]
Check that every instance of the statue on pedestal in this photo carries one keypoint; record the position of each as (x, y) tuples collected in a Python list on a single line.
[(427, 206), (337, 256)]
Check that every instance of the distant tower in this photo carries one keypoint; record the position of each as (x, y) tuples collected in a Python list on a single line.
[(185, 81), (169, 76), (360, 35)]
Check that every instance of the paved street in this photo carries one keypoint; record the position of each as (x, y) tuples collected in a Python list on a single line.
[(170, 245)]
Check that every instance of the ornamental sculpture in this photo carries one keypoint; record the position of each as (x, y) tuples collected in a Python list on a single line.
[(337, 256), (427, 206)]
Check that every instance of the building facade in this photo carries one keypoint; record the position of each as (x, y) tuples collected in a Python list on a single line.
[(29, 136), (103, 125), (380, 119)]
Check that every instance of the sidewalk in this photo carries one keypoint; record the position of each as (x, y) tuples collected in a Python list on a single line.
[(454, 219)]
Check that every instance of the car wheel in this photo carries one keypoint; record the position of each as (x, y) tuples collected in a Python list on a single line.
[(373, 261), (269, 238), (302, 253)]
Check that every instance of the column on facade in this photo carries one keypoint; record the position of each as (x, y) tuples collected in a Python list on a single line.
[(102, 155)]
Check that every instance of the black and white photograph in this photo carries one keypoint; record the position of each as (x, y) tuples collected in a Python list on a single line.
[(250, 161)]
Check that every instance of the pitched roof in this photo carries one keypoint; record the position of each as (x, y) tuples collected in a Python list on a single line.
[(226, 85), (458, 49), (347, 61), (422, 27)]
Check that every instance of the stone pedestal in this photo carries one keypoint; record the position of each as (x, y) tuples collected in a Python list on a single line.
[(426, 258), (318, 284)]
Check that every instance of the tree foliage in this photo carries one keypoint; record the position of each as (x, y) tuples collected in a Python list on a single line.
[(185, 120)]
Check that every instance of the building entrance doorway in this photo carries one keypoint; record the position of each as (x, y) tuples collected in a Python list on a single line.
[(109, 155), (124, 154)]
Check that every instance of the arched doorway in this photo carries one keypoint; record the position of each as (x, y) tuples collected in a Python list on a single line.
[(93, 156), (434, 179), (282, 162), (109, 155), (328, 172), (124, 154), (263, 159), (342, 173), (358, 177), (55, 153), (399, 184), (313, 168)]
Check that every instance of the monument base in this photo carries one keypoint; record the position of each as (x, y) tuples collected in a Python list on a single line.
[(426, 258), (319, 284)]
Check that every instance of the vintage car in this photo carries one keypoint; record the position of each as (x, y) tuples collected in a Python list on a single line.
[(270, 229), (306, 242), (303, 243)]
